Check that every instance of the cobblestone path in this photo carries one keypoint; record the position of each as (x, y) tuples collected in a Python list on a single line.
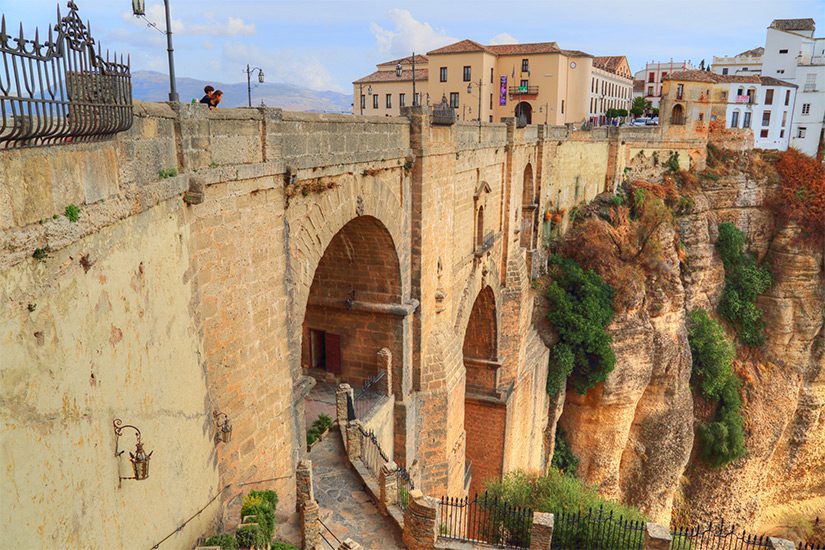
[(347, 508)]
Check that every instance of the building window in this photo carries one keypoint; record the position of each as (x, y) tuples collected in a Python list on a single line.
[(491, 75), (782, 133), (769, 97), (784, 118), (810, 83), (763, 133), (454, 100), (651, 77), (467, 73), (766, 118), (680, 91), (562, 106), (443, 74), (389, 101), (806, 108), (525, 65), (650, 91), (664, 74), (701, 117), (677, 115), (363, 101), (375, 101), (780, 71), (491, 102), (734, 119), (725, 71), (800, 133), (787, 97), (783, 51), (402, 100), (746, 120)]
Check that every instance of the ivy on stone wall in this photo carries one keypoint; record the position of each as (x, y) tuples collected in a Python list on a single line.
[(581, 307)]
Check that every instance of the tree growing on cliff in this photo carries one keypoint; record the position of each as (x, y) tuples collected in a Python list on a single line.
[(581, 307), (802, 186), (744, 282)]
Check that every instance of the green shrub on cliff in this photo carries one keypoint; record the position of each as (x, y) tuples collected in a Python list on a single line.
[(744, 281), (564, 459), (581, 307), (723, 439)]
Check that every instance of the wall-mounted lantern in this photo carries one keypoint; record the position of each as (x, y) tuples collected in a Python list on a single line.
[(139, 459), (138, 7), (224, 427)]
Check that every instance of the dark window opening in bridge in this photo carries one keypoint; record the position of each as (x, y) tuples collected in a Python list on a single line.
[(528, 209), (677, 116), (480, 228)]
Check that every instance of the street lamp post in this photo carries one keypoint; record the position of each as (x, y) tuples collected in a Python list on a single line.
[(470, 90), (139, 10), (249, 72), (399, 71)]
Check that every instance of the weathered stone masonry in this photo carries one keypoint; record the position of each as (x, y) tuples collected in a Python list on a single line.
[(159, 311)]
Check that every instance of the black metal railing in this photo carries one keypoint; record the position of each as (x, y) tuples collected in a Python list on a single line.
[(372, 455), (405, 485), (523, 90), (485, 519), (719, 535), (368, 396), (810, 546), (59, 89), (597, 529)]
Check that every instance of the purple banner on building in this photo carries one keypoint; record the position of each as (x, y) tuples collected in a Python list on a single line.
[(502, 93)]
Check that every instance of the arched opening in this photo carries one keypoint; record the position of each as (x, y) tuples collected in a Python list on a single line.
[(524, 114), (484, 413), (348, 321), (677, 115), (480, 228), (528, 208)]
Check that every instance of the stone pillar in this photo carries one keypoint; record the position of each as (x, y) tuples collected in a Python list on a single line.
[(420, 522), (349, 544), (384, 358), (657, 537), (388, 485), (541, 534), (780, 544), (353, 440), (303, 482), (341, 394), (310, 526)]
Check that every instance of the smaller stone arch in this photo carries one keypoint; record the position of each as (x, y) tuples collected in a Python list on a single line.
[(528, 208), (677, 115)]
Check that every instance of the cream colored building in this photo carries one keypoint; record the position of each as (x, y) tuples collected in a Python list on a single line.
[(536, 83), (611, 86)]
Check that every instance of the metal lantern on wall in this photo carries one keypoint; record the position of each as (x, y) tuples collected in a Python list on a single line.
[(139, 7), (260, 76), (139, 459), (398, 70), (224, 426)]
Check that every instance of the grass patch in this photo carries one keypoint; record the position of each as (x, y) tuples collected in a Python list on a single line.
[(72, 212)]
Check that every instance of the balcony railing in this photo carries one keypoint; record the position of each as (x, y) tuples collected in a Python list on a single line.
[(524, 90)]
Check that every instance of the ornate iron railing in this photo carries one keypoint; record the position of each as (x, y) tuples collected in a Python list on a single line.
[(485, 519), (367, 397), (721, 535), (60, 90), (597, 529), (372, 455), (405, 485)]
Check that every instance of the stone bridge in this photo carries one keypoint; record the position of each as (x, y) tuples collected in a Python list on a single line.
[(223, 259)]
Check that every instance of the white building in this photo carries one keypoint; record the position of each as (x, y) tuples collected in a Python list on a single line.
[(611, 86), (749, 62), (793, 54), (765, 105), (654, 73)]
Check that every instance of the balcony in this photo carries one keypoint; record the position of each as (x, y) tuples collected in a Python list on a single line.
[(516, 91)]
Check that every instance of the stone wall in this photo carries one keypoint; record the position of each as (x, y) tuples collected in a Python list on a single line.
[(178, 295)]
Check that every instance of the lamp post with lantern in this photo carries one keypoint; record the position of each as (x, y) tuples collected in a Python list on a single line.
[(399, 72), (249, 72), (139, 10), (478, 84)]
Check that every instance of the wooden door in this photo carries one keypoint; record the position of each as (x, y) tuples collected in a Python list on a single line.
[(332, 344)]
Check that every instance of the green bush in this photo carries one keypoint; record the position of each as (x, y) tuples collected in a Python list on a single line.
[(712, 353), (673, 162), (744, 281), (167, 173), (281, 545), (72, 212), (581, 307), (267, 496), (562, 362), (564, 459), (249, 536), (226, 541), (259, 504), (319, 426), (723, 440)]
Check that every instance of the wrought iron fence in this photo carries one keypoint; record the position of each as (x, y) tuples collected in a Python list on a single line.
[(372, 455), (597, 529), (717, 536), (405, 485), (485, 519), (367, 397), (810, 546), (59, 89)]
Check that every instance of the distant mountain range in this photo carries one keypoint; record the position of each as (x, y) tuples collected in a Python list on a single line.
[(153, 86)]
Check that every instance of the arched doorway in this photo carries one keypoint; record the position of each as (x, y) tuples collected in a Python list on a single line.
[(677, 115), (348, 320), (528, 208), (484, 413), (524, 114)]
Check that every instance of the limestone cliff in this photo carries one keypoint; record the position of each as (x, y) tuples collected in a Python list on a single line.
[(634, 433)]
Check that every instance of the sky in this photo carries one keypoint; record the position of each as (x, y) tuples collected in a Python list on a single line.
[(326, 44)]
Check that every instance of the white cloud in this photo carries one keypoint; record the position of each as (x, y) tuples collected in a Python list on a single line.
[(285, 66), (234, 26), (407, 35), (503, 38), (210, 26)]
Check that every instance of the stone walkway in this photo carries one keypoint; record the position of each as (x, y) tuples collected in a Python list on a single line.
[(347, 508)]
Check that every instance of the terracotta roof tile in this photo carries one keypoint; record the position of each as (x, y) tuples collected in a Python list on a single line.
[(389, 76), (525, 49), (755, 52), (463, 46), (638, 85), (608, 62), (807, 24), (697, 75), (405, 60), (771, 81)]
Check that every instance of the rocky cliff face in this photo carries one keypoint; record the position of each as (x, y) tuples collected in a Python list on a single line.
[(634, 433)]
